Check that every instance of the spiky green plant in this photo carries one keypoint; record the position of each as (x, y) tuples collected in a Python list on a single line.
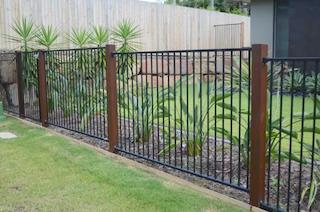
[(99, 36), (126, 35), (25, 33), (79, 37), (47, 36), (197, 118)]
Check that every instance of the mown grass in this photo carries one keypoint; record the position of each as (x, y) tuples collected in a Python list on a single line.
[(45, 172)]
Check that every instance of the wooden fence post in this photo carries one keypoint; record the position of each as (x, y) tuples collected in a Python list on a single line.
[(42, 89), (20, 84), (112, 106), (258, 124)]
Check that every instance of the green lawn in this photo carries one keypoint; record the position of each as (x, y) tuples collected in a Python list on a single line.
[(40, 171)]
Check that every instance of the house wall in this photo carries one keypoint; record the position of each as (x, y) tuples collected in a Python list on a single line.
[(262, 14), (163, 26)]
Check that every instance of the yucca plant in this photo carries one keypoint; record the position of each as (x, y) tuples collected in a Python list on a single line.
[(25, 33), (79, 37), (47, 36), (100, 36), (126, 35)]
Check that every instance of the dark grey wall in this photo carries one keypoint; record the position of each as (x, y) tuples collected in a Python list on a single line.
[(297, 28)]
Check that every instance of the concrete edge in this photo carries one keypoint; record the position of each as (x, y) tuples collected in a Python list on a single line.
[(131, 163)]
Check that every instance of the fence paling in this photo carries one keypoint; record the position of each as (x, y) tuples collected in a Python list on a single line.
[(112, 106), (42, 89), (258, 124)]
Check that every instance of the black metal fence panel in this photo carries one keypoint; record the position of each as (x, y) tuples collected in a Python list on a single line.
[(188, 110), (76, 93), (30, 76), (293, 153), (8, 83)]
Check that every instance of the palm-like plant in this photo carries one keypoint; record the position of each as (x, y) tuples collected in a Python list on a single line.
[(125, 35), (47, 36), (99, 36), (25, 33), (79, 37)]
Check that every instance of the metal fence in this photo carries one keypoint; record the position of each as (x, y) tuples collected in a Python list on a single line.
[(189, 110), (29, 67), (293, 144), (76, 90), (219, 114), (8, 89)]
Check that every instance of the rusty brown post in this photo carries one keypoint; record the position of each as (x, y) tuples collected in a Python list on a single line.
[(112, 107), (42, 89), (258, 124), (20, 84)]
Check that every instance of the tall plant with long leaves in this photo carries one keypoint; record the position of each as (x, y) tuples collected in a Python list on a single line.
[(47, 36), (140, 104), (79, 37), (99, 36), (126, 35), (25, 33), (197, 118)]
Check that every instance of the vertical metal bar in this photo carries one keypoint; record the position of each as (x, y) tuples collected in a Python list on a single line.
[(231, 122), (280, 134), (208, 112), (163, 134), (42, 89), (249, 114), (152, 103), (270, 129), (223, 113), (181, 121), (290, 139), (20, 84), (175, 108), (169, 124), (302, 133), (112, 109), (258, 124), (215, 112), (194, 111), (158, 109), (201, 115)]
